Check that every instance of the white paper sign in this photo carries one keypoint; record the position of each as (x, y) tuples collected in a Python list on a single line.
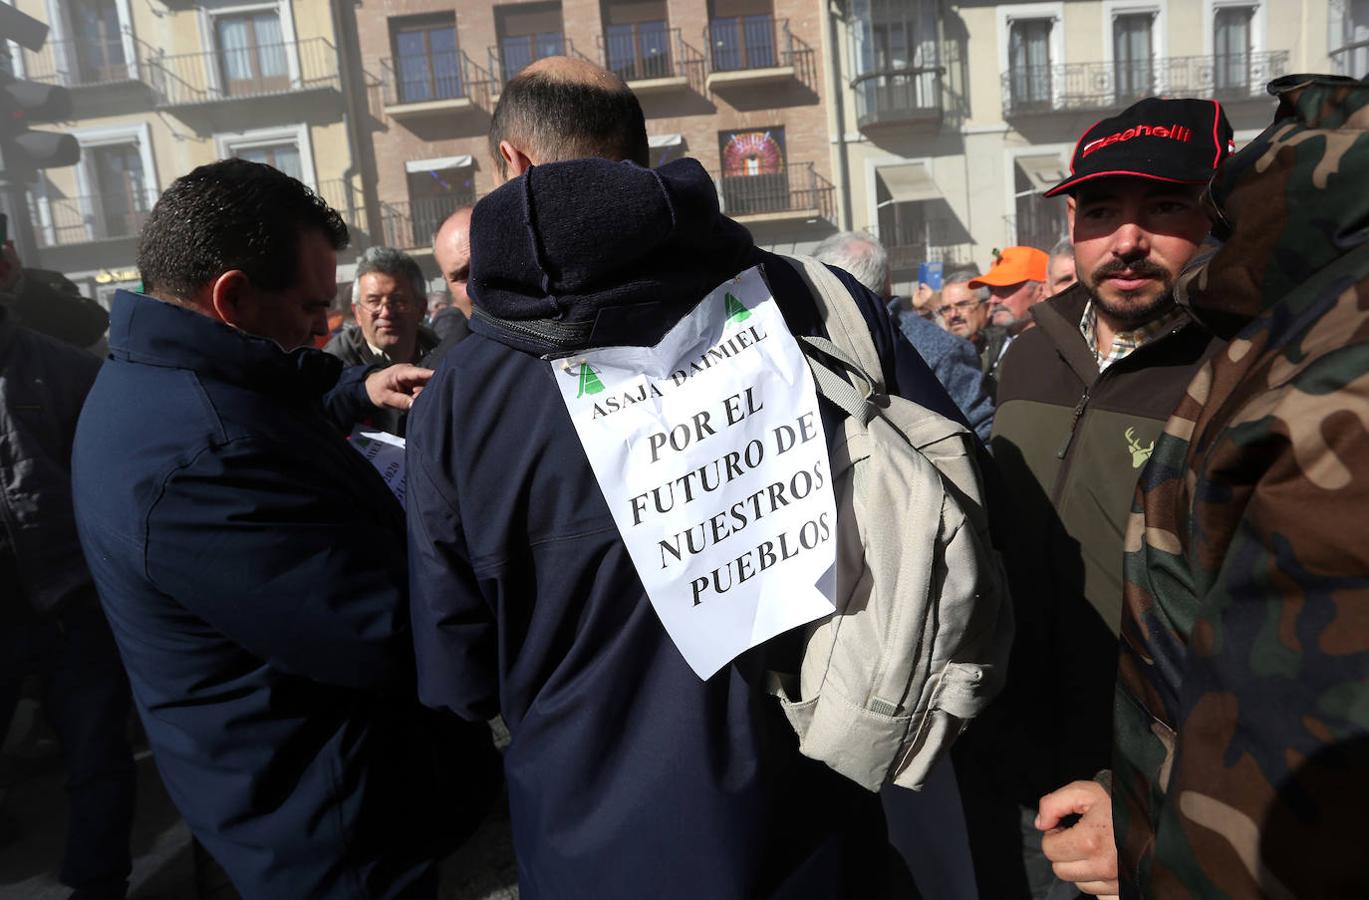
[(385, 451), (711, 454)]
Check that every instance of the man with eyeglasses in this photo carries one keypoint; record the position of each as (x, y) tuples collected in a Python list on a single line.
[(388, 298)]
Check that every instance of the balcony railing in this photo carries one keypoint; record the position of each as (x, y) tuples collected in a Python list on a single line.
[(1039, 222), (259, 70), (433, 77), (513, 54), (411, 225), (64, 221), (83, 63), (1103, 86), (749, 42), (643, 52), (796, 188), (898, 96), (907, 253)]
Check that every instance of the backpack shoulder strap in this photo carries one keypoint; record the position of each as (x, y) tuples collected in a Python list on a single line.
[(841, 317)]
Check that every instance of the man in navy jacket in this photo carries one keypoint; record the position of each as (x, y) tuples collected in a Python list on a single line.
[(628, 775), (251, 563)]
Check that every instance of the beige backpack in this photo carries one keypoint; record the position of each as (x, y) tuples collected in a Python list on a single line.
[(919, 642)]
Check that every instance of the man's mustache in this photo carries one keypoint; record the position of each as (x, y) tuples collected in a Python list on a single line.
[(1139, 268)]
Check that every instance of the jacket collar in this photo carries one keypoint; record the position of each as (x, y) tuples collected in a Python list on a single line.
[(152, 332), (1058, 318)]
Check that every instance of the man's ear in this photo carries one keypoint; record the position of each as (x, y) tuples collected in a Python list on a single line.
[(227, 294), (1069, 215), (516, 161)]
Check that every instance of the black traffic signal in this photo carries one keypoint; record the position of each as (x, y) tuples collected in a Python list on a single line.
[(22, 151)]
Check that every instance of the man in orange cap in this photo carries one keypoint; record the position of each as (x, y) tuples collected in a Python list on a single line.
[(1015, 284)]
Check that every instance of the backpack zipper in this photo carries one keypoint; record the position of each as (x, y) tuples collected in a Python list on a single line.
[(558, 337)]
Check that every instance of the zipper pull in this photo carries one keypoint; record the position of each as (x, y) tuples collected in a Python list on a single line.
[(1074, 423)]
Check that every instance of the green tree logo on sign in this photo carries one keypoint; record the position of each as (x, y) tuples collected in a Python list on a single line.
[(589, 381), (735, 311)]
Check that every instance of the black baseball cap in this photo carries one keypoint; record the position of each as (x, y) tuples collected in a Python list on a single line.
[(1164, 140)]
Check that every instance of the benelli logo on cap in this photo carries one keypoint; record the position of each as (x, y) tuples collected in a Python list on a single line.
[(1173, 132)]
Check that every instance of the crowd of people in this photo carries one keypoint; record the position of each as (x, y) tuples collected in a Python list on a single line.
[(1168, 420)]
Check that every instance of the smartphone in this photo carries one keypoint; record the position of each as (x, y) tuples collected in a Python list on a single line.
[(929, 273)]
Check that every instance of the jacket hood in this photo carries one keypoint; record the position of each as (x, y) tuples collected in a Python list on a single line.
[(1289, 205), (593, 253)]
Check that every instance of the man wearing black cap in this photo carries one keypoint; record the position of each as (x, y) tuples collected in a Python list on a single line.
[(1082, 399)]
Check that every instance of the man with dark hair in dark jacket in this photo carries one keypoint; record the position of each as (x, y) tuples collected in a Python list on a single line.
[(50, 619), (629, 775), (252, 564)]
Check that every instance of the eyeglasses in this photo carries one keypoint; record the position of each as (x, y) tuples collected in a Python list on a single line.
[(963, 306), (397, 304)]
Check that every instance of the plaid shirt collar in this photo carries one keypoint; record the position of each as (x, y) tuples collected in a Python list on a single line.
[(1124, 343)]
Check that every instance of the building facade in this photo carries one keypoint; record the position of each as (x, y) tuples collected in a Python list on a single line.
[(958, 115), (736, 85), (163, 86)]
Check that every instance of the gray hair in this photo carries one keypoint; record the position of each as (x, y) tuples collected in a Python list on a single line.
[(963, 273), (1064, 247), (388, 261), (859, 253)]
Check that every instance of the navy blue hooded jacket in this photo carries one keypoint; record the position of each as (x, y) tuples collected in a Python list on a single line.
[(252, 566), (628, 776)]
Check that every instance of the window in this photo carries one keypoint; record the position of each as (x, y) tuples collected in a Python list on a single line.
[(427, 61), (1029, 61), (252, 57), (742, 36), (118, 204), (98, 42), (437, 188), (284, 156), (528, 33), (755, 175), (1039, 221), (1232, 45), (1132, 56), (1350, 38), (637, 40), (897, 57)]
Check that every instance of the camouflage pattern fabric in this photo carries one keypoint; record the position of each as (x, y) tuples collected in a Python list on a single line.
[(1241, 765)]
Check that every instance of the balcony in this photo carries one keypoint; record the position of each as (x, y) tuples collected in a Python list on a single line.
[(751, 50), (907, 253), (433, 84), (513, 54), (66, 221), (1099, 87), (795, 193), (649, 56), (898, 97), (254, 71), (84, 63), (411, 225)]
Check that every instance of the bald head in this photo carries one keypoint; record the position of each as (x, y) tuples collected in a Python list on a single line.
[(452, 252), (560, 108)]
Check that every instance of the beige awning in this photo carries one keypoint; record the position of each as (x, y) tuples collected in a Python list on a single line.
[(909, 183), (657, 141), (438, 165), (1044, 172)]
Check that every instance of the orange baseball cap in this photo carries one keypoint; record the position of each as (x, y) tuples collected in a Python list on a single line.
[(1014, 265)]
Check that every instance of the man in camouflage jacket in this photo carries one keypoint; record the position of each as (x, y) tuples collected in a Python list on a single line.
[(1241, 762)]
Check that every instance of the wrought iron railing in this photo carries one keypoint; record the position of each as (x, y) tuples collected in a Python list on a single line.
[(411, 224), (234, 73), (796, 187), (64, 221), (83, 63), (1102, 85), (741, 43), (1039, 222), (433, 76), (643, 51), (512, 55), (898, 96)]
